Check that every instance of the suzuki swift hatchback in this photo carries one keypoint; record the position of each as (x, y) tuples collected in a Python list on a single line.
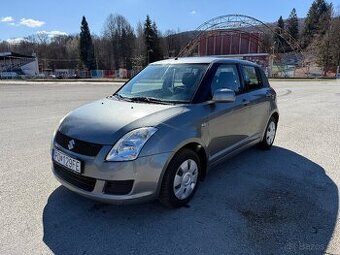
[(161, 132)]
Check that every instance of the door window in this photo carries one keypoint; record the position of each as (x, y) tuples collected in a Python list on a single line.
[(226, 76), (251, 78)]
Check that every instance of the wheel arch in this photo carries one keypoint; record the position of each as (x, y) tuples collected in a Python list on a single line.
[(194, 145), (276, 116)]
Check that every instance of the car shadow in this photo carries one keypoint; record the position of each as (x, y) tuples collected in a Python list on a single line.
[(260, 202)]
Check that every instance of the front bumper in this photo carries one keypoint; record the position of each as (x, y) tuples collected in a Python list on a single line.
[(137, 180)]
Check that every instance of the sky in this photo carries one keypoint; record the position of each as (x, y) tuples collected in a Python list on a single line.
[(27, 17)]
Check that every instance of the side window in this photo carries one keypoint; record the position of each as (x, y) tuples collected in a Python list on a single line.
[(226, 76), (251, 78)]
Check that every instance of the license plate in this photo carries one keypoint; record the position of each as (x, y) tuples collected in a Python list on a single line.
[(67, 161)]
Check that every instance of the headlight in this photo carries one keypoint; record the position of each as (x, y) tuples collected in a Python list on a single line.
[(129, 146)]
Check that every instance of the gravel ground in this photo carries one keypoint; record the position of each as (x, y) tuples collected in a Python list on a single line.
[(284, 201)]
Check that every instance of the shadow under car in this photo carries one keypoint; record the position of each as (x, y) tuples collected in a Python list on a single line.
[(273, 202)]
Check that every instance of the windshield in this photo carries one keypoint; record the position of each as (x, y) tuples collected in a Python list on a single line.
[(164, 83)]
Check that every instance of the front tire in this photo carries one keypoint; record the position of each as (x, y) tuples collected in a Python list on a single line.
[(181, 179), (269, 135)]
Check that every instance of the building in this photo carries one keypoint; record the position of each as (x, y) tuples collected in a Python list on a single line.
[(14, 65), (234, 44)]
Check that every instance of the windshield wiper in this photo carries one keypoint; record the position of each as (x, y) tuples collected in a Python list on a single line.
[(121, 97), (149, 100)]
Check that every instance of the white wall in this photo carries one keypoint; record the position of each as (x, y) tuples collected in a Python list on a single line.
[(31, 69)]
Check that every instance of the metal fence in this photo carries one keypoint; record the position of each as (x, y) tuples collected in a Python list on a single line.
[(93, 74)]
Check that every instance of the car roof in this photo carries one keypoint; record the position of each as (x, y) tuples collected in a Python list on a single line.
[(202, 60)]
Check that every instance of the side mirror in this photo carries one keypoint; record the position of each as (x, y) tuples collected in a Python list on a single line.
[(224, 96)]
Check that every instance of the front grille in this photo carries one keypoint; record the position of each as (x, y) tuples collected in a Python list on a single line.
[(80, 147), (118, 187), (80, 181)]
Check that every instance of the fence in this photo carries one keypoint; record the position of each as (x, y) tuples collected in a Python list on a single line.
[(100, 74), (309, 71)]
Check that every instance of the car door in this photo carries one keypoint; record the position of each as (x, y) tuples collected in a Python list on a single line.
[(227, 121), (259, 95)]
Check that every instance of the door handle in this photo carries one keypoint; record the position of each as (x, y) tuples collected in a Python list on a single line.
[(268, 95), (245, 102)]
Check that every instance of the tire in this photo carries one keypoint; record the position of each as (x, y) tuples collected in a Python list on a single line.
[(181, 179), (269, 135)]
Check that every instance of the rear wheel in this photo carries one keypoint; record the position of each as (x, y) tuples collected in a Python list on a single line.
[(181, 179), (269, 135)]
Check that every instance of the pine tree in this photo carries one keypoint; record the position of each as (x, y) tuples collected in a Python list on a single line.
[(157, 51), (317, 21), (148, 36), (327, 48), (279, 41), (152, 41), (293, 24), (86, 46)]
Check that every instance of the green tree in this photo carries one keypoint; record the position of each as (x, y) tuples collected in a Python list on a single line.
[(317, 21), (86, 46), (280, 43), (157, 52), (152, 41), (327, 47), (293, 24)]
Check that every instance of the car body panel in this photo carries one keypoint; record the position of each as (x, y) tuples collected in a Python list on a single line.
[(104, 121)]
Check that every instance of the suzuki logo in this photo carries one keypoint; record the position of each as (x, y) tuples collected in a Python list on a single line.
[(71, 144)]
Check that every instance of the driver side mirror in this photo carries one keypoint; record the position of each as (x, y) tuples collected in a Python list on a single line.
[(224, 96)]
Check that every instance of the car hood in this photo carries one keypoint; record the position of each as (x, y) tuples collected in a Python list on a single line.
[(105, 121)]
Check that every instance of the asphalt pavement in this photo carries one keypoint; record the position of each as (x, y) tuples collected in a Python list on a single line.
[(282, 201)]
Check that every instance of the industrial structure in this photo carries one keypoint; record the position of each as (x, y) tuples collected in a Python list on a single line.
[(244, 37)]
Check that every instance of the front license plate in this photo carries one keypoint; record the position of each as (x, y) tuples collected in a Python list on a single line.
[(67, 161)]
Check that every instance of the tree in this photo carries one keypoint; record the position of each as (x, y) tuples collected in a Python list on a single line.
[(139, 52), (120, 35), (293, 24), (278, 39), (335, 40), (317, 21), (327, 47), (86, 46), (153, 50), (157, 51)]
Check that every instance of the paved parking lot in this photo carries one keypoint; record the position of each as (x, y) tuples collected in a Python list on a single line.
[(284, 201)]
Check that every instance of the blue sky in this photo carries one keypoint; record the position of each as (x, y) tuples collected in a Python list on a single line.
[(21, 18)]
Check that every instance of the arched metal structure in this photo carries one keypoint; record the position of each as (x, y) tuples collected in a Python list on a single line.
[(246, 24)]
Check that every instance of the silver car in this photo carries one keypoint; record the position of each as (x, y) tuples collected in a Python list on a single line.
[(162, 131)]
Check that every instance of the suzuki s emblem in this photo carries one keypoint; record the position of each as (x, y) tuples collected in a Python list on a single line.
[(71, 144)]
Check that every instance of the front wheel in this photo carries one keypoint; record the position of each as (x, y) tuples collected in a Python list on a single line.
[(269, 135), (181, 179)]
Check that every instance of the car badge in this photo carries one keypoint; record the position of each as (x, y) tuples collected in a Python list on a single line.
[(71, 144)]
